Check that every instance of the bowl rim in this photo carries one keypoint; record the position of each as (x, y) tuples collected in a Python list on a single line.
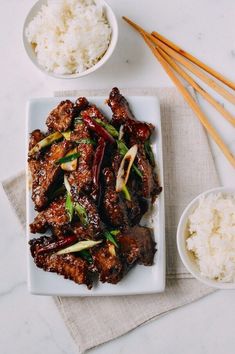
[(99, 64), (180, 239)]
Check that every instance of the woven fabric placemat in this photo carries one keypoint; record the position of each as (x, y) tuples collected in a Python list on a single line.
[(188, 170)]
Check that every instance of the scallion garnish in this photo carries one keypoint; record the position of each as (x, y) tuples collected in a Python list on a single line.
[(108, 127), (110, 238), (149, 152), (67, 158), (85, 254), (81, 212), (69, 207), (122, 148), (85, 141), (79, 246), (126, 193)]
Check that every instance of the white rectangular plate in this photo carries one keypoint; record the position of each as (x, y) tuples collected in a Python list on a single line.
[(141, 279)]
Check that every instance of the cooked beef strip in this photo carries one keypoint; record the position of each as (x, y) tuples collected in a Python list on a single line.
[(93, 229), (138, 132), (116, 162), (39, 224), (35, 137), (61, 117), (149, 185), (80, 104), (137, 207), (137, 245), (109, 266), (56, 218), (95, 225), (93, 112), (113, 207), (135, 210), (122, 115), (68, 265), (44, 173), (81, 179)]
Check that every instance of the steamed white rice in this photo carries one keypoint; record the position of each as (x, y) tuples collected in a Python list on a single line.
[(212, 237), (69, 36)]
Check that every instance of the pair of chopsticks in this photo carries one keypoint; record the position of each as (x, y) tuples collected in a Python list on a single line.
[(169, 55)]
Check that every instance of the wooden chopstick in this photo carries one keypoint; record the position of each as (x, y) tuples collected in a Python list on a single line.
[(191, 67), (227, 115), (193, 104), (193, 59), (190, 100)]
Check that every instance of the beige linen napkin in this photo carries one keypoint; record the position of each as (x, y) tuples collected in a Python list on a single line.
[(188, 170)]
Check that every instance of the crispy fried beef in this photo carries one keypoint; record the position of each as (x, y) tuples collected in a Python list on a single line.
[(122, 115), (95, 210), (149, 185), (93, 112), (138, 133), (68, 265), (61, 117), (80, 104), (137, 245), (94, 227), (114, 209), (137, 206), (81, 179), (44, 173), (108, 263), (54, 216), (35, 137)]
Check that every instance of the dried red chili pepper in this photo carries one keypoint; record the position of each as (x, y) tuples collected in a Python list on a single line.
[(93, 125), (57, 245), (97, 162)]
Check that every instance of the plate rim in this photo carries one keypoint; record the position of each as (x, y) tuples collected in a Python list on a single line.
[(161, 282)]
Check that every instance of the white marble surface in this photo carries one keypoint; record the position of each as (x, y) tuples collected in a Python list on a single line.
[(31, 324)]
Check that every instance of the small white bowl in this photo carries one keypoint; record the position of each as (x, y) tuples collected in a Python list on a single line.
[(114, 37), (186, 257)]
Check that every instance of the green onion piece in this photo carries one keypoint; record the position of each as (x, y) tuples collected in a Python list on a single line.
[(121, 132), (86, 141), (137, 171), (126, 193), (149, 152), (108, 127), (67, 158), (67, 134), (110, 238), (125, 168), (69, 207), (78, 120), (115, 232), (48, 140), (79, 246), (81, 212), (85, 254), (79, 209), (122, 148), (67, 185)]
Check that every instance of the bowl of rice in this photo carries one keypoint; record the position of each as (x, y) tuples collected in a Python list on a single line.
[(70, 38), (206, 237)]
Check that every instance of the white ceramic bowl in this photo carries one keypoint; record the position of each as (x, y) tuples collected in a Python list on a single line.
[(186, 257), (114, 37)]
